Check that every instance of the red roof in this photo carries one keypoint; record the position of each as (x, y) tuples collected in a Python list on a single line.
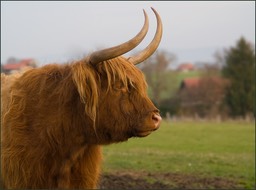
[(186, 67), (18, 65)]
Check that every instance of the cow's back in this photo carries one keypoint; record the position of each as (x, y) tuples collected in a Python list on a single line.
[(32, 154), (6, 83)]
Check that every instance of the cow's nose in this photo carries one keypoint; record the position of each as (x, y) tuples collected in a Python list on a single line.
[(157, 120)]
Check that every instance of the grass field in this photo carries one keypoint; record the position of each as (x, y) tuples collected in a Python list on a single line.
[(205, 148)]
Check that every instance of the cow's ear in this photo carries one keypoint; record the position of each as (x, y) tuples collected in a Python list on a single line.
[(85, 80)]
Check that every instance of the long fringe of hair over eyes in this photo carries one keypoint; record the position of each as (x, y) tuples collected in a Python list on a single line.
[(88, 80)]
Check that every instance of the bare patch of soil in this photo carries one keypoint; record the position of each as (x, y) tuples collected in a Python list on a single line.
[(133, 180)]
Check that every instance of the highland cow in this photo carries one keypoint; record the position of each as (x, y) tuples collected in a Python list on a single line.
[(55, 118)]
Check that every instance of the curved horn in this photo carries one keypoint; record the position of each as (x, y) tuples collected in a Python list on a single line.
[(151, 48), (118, 50)]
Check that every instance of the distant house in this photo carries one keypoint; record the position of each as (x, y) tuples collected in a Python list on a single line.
[(196, 82), (185, 67), (18, 66), (202, 95)]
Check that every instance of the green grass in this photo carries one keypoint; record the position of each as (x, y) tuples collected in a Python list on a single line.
[(207, 148)]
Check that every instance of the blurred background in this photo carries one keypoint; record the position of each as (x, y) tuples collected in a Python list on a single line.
[(192, 59), (202, 78)]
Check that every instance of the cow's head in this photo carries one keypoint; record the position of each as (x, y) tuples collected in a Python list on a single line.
[(115, 94)]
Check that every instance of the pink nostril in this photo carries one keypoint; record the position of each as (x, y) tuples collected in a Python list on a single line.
[(157, 119)]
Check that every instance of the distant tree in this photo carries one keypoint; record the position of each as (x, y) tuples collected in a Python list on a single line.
[(239, 69), (219, 58), (211, 70), (158, 75)]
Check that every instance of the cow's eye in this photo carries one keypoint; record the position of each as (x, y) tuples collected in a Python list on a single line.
[(130, 85)]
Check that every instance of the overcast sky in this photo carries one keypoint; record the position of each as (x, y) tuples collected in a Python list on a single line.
[(57, 31)]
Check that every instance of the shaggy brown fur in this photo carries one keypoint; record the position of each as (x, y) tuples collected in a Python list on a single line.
[(55, 118)]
